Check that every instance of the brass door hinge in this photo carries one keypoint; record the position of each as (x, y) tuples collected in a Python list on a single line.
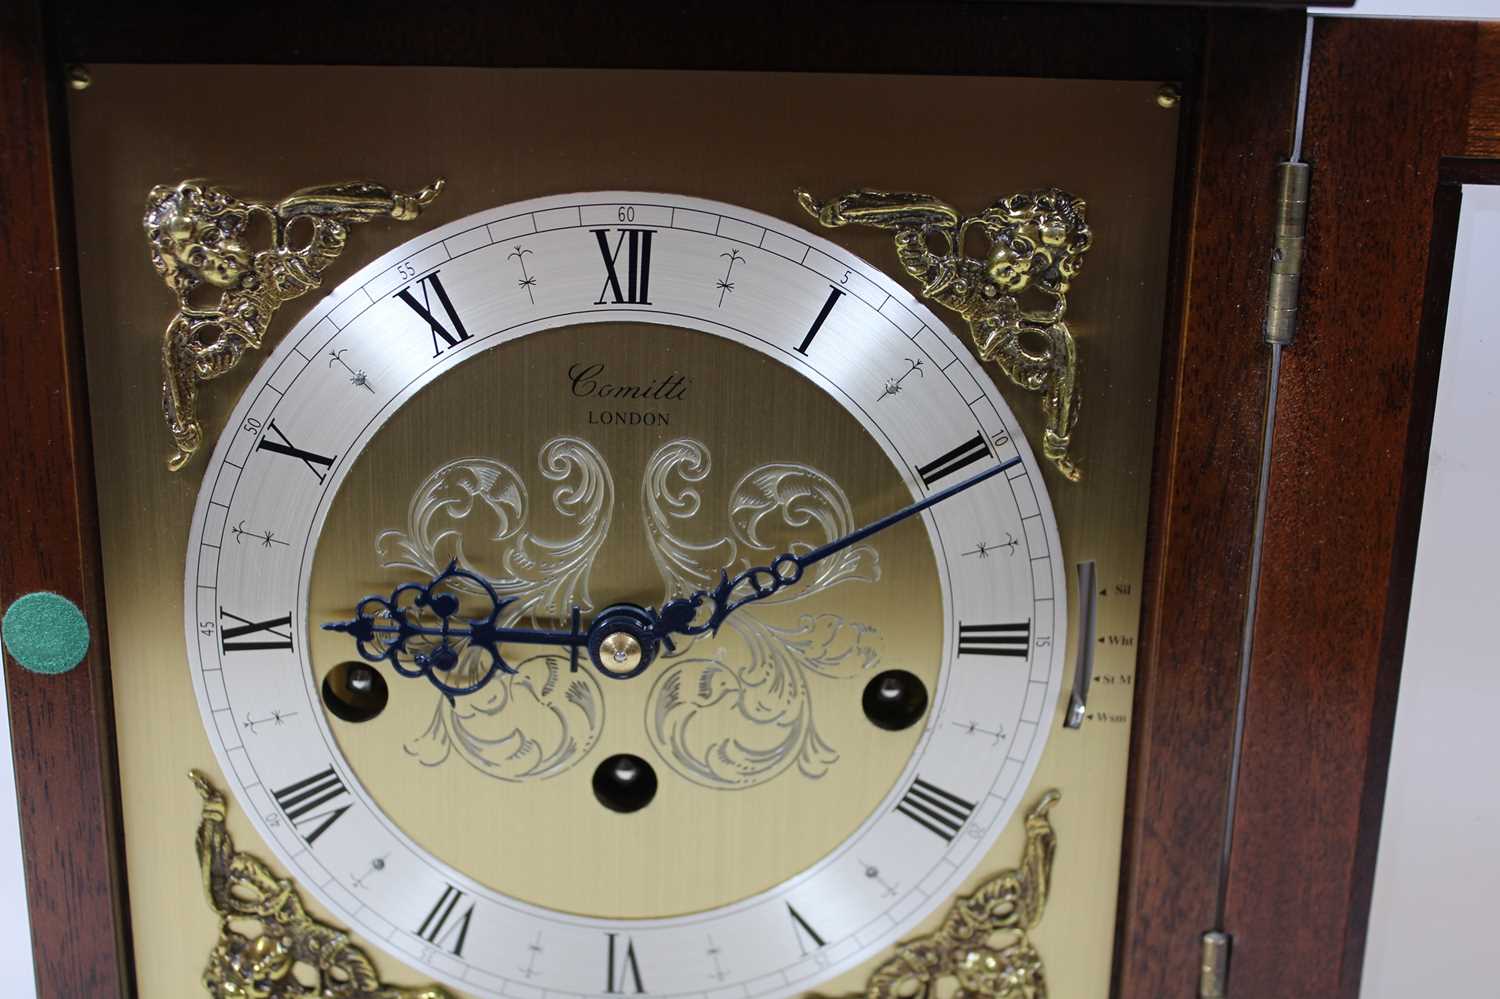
[(1286, 254), (1213, 966)]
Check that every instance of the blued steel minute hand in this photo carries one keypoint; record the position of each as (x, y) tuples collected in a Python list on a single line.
[(681, 616), (418, 631)]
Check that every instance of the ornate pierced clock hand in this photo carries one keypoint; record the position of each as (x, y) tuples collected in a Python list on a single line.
[(622, 641), (383, 629), (680, 616)]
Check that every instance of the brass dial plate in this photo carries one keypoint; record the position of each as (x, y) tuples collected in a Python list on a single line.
[(506, 135)]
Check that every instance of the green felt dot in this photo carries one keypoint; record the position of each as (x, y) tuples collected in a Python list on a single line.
[(45, 632)]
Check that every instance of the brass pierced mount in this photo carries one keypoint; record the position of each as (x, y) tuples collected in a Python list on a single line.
[(1036, 242), (197, 235), (242, 888), (982, 949)]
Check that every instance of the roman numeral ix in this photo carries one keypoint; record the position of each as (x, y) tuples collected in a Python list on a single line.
[(301, 801), (637, 247), (994, 639), (451, 333), (275, 634), (944, 465), (940, 812)]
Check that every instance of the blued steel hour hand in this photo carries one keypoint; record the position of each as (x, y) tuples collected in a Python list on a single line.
[(418, 630)]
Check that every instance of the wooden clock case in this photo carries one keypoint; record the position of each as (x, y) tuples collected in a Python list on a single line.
[(1398, 114)]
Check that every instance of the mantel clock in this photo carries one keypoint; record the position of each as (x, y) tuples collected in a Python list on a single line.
[(685, 525)]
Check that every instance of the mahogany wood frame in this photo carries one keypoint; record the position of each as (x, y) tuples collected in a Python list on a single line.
[(1238, 72), (1394, 108)]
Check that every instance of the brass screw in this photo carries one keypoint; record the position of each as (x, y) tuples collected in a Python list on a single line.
[(1168, 96), (79, 78)]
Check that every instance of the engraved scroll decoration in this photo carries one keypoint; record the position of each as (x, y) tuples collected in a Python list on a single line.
[(1037, 240), (544, 719), (245, 893), (540, 720), (983, 948), (199, 238), (744, 714)]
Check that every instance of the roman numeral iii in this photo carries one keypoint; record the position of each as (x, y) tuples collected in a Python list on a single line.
[(636, 244), (302, 799), (441, 929), (940, 812), (994, 639), (271, 635), (944, 465), (451, 333)]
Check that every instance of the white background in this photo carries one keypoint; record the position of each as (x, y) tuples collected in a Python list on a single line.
[(1438, 873), (1439, 867), (1453, 9)]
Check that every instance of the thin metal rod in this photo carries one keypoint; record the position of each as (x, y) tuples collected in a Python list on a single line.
[(1247, 638), (1302, 91)]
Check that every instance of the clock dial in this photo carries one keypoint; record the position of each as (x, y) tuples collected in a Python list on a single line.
[(609, 398)]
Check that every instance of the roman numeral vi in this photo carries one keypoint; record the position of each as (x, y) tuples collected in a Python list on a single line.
[(622, 967)]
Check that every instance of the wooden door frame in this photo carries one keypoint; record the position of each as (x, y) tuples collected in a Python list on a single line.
[(1394, 111)]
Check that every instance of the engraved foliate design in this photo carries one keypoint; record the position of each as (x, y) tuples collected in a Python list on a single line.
[(734, 718), (198, 239), (540, 720), (744, 714)]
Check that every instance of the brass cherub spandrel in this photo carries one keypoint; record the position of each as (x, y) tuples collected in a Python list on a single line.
[(198, 238), (240, 887), (964, 949), (1037, 240)]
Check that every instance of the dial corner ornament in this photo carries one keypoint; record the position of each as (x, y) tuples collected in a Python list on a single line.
[(1037, 240), (242, 888), (197, 234), (962, 948)]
